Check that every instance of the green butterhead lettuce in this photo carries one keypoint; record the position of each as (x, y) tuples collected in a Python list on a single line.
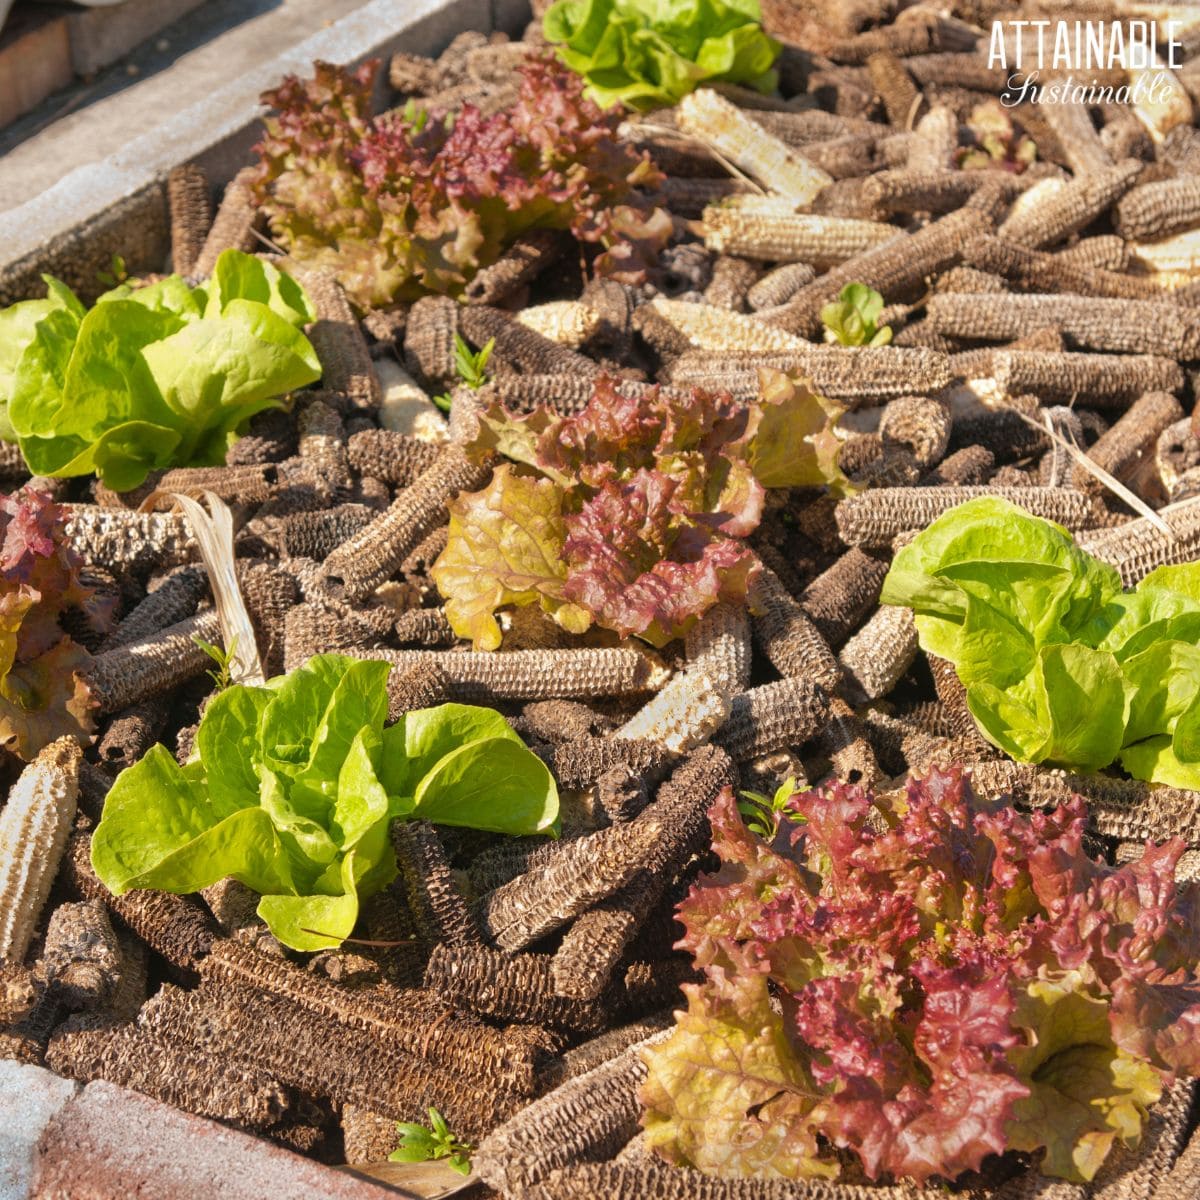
[(1059, 664), (293, 787), (160, 376), (652, 53)]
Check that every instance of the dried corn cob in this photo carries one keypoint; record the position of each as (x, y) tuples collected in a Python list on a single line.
[(1137, 547), (270, 438), (784, 633), (439, 911), (590, 1116), (683, 715), (690, 197), (847, 200), (908, 190), (429, 341), (844, 740), (1159, 210), (581, 761), (191, 214), (521, 263), (894, 86), (875, 518), (367, 1136), (874, 659), (780, 285), (921, 424), (935, 140), (557, 721), (838, 600), (82, 957), (369, 558), (131, 733), (310, 535), (177, 927), (425, 627), (1130, 443), (322, 449), (963, 468), (732, 278), (968, 279), (584, 871), (622, 793), (843, 158), (1105, 379), (233, 905), (714, 120), (1104, 252), (152, 664), (773, 717), (953, 697), (719, 645), (1072, 126), (715, 329), (1131, 326), (336, 336), (176, 597), (34, 825), (781, 236), (601, 1049), (129, 541), (1071, 207), (917, 31), (564, 322), (234, 225), (520, 348)]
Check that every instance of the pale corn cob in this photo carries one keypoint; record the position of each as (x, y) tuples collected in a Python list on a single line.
[(773, 717), (935, 141), (719, 646), (1081, 144), (521, 263), (1161, 100), (359, 566), (337, 337), (1037, 271), (875, 518), (718, 330), (584, 872), (176, 598), (565, 322), (683, 715), (131, 733), (521, 348), (190, 207), (589, 1117), (875, 658), (1170, 257), (1106, 380), (1071, 207), (892, 268), (838, 600), (429, 341), (937, 191), (714, 120), (787, 637), (965, 467), (481, 677), (784, 237), (731, 280), (921, 424), (895, 87), (152, 664), (233, 226), (439, 911), (1158, 210), (34, 825), (406, 407), (843, 158), (1129, 326), (1137, 547), (1130, 443), (128, 541), (778, 286)]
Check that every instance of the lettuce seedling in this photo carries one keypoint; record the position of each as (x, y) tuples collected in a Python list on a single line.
[(923, 982), (651, 53), (850, 320), (1059, 664), (420, 1143), (151, 377), (292, 788)]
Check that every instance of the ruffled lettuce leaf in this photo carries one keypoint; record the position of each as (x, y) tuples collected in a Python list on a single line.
[(652, 53), (292, 789)]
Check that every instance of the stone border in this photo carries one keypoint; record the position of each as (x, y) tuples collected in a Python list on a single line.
[(118, 205)]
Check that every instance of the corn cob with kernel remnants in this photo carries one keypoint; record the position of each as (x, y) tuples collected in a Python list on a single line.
[(82, 958), (190, 207), (875, 658), (521, 263), (709, 328), (1130, 443), (787, 636), (683, 715), (908, 190), (1138, 546), (34, 825), (1106, 380), (715, 121), (568, 323), (894, 86), (233, 226), (175, 598), (131, 733), (129, 541), (788, 237), (1158, 210), (1071, 207), (920, 423), (719, 645)]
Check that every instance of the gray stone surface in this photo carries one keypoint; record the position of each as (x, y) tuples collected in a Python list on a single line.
[(99, 36), (29, 1097)]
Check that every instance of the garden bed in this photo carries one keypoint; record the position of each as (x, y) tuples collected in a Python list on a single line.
[(589, 538)]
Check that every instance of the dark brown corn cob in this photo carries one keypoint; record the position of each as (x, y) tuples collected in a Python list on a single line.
[(557, 721), (622, 793), (921, 424), (521, 263), (845, 742), (1158, 210), (780, 285), (894, 86), (313, 534), (519, 348), (429, 342), (439, 911), (175, 598), (177, 927), (1071, 208), (153, 664), (1130, 326), (270, 438), (131, 733), (732, 279), (191, 215), (234, 225), (395, 458), (965, 70), (418, 687), (601, 1049), (426, 627), (1129, 444), (336, 336), (908, 190), (584, 871), (590, 1116), (773, 717), (1138, 546), (311, 629), (840, 598), (953, 697), (129, 541), (503, 861), (581, 761), (82, 956), (965, 467), (1106, 380), (372, 556), (233, 905), (250, 484), (783, 631), (876, 657)]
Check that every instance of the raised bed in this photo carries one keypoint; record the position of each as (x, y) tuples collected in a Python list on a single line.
[(525, 986)]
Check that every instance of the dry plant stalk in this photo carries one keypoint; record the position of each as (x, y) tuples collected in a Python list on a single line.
[(190, 207), (233, 227)]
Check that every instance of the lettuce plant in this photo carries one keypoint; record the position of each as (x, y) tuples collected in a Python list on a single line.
[(407, 203), (850, 320), (923, 982), (1059, 664), (652, 53), (157, 376), (996, 143), (292, 788), (43, 694), (631, 513)]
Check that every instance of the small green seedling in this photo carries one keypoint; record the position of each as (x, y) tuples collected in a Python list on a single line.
[(222, 676), (850, 319), (470, 367), (761, 813), (116, 276), (421, 1144)]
